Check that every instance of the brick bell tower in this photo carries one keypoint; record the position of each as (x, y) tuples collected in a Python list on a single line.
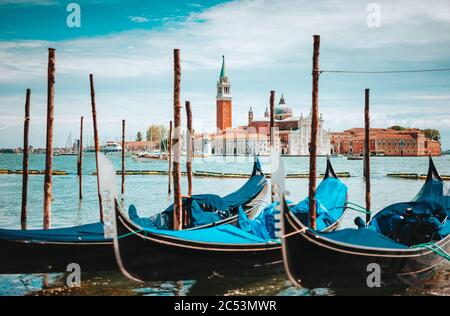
[(223, 100)]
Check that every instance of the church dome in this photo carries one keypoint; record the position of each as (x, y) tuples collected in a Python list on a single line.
[(282, 109)]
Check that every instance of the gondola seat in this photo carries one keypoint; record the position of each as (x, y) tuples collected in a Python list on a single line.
[(412, 223)]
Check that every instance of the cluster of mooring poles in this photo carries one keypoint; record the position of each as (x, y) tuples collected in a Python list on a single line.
[(174, 145), (48, 192)]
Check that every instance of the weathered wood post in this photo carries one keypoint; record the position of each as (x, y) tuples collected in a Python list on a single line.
[(97, 147), (169, 148), (272, 119), (314, 126), (49, 139), (26, 132), (367, 152), (123, 158), (178, 207), (272, 124), (80, 161), (189, 147)]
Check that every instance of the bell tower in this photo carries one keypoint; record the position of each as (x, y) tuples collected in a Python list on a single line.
[(223, 100)]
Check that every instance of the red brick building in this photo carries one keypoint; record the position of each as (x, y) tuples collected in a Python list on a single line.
[(385, 142)]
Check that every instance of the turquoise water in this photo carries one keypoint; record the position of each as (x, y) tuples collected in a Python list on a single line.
[(149, 194)]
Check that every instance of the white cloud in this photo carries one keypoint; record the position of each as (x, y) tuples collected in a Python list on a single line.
[(267, 45), (138, 19)]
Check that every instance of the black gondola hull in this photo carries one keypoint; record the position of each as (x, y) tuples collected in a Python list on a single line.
[(311, 261), (45, 257), (35, 257), (153, 257)]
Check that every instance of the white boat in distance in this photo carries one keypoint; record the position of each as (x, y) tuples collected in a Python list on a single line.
[(149, 156), (108, 148)]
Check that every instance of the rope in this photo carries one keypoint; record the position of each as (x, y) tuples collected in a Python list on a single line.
[(131, 233), (435, 248), (384, 71), (361, 210), (300, 231)]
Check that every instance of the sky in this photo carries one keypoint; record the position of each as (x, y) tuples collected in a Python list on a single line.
[(128, 46)]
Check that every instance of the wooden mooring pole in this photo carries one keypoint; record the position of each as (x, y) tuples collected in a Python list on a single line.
[(49, 139), (272, 125), (189, 147), (314, 131), (272, 119), (367, 152), (123, 158), (97, 147), (80, 161), (26, 131), (178, 207), (169, 148)]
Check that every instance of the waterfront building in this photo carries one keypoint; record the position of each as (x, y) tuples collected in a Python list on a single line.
[(293, 131), (385, 142)]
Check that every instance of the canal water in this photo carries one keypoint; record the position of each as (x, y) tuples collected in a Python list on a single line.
[(149, 195)]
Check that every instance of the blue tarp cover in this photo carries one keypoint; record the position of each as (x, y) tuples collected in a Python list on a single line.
[(223, 234), (331, 196), (263, 226), (362, 237), (402, 225), (199, 202), (88, 233)]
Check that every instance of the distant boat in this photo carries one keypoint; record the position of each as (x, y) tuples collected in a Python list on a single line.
[(108, 148), (353, 157), (67, 151), (200, 155), (149, 156)]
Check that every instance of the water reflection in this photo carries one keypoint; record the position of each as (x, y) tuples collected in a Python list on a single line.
[(113, 283)]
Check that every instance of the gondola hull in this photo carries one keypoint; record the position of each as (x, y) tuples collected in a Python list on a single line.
[(42, 257), (154, 257), (312, 261), (32, 256)]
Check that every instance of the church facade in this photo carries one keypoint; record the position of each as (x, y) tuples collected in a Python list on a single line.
[(292, 132)]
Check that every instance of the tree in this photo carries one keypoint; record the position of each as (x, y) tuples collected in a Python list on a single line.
[(398, 128), (139, 137), (432, 134), (156, 134)]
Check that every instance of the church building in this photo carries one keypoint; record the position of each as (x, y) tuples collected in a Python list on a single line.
[(293, 131)]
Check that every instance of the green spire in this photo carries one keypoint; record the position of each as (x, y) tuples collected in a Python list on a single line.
[(222, 71)]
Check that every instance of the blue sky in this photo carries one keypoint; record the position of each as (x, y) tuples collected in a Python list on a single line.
[(128, 45)]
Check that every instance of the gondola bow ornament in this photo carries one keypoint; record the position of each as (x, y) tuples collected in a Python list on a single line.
[(278, 175), (108, 193)]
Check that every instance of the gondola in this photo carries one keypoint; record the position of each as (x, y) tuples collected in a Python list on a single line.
[(39, 251), (405, 242), (146, 254)]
